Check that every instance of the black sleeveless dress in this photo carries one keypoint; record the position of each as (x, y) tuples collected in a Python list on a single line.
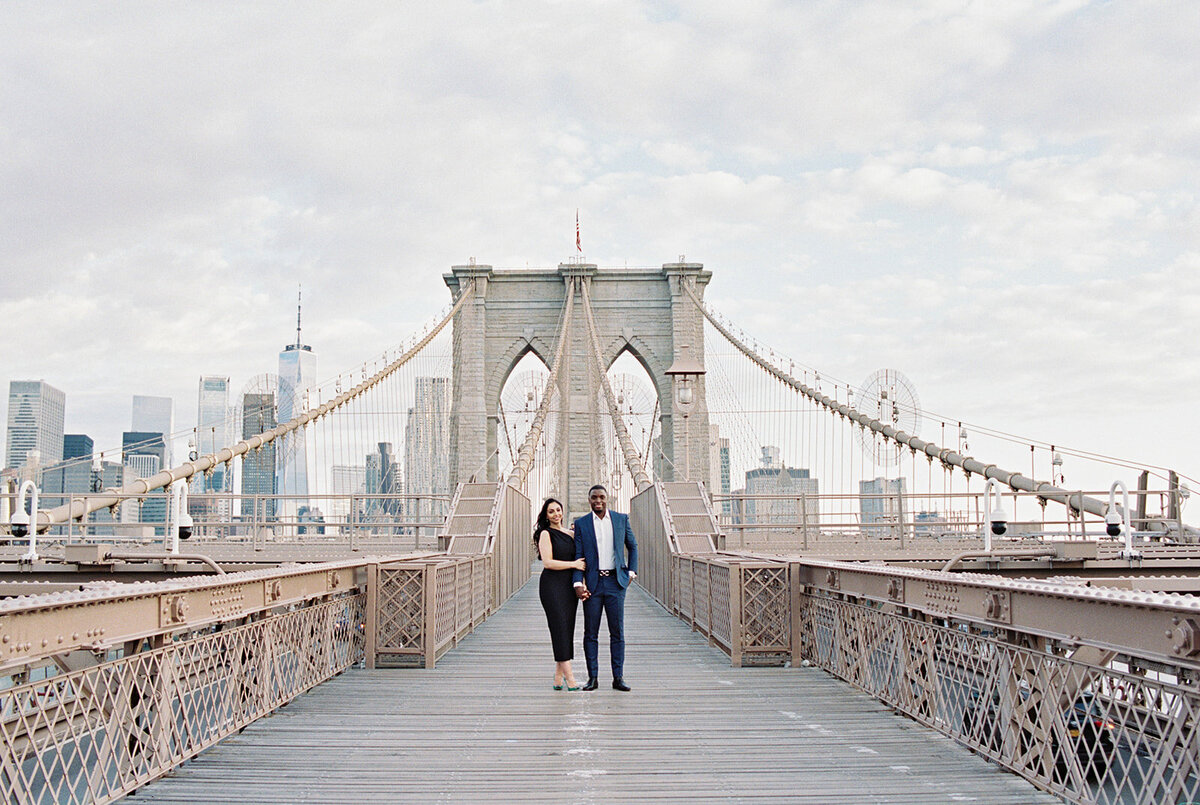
[(557, 592)]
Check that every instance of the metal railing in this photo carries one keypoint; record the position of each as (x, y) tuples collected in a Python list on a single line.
[(352, 520), (1092, 693), (106, 688), (112, 687), (800, 521)]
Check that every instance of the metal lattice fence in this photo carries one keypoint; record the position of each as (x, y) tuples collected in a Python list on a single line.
[(95, 734)]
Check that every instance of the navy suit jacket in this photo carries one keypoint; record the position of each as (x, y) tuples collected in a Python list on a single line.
[(624, 548)]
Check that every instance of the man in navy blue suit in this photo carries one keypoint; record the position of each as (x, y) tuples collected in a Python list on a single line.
[(604, 540)]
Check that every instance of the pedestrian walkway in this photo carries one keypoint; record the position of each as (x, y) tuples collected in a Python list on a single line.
[(486, 726)]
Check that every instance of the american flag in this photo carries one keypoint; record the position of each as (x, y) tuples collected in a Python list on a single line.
[(578, 242)]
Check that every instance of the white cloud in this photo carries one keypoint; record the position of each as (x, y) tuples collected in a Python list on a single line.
[(919, 182)]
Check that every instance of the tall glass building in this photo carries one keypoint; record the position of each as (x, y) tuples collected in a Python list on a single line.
[(258, 466), (297, 374), (74, 475), (143, 453), (427, 449), (214, 428), (155, 415), (36, 417)]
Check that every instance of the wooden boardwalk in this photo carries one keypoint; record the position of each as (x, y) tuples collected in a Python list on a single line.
[(485, 725)]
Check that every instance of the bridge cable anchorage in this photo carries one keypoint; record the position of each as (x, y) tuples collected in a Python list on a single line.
[(1073, 501), (524, 456), (632, 461), (79, 509)]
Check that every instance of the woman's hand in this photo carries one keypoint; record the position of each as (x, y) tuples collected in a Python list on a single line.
[(579, 564)]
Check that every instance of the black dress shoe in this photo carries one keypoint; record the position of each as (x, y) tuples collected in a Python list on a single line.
[(592, 684), (619, 684)]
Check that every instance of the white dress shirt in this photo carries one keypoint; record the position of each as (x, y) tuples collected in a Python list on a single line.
[(604, 540)]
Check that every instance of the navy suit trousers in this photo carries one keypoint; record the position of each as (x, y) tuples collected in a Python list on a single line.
[(609, 598)]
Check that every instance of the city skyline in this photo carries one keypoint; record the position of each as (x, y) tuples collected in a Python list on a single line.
[(1024, 248)]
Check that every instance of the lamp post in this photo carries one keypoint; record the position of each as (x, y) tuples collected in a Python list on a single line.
[(687, 372)]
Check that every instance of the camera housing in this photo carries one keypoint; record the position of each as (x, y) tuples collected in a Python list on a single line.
[(185, 525), (999, 527), (20, 523), (1112, 522)]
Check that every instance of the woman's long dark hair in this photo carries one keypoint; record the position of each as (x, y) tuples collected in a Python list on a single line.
[(543, 524)]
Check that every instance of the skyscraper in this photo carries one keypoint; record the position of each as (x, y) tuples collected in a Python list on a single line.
[(36, 416), (427, 446), (427, 438), (297, 373), (718, 453), (882, 502), (778, 497), (74, 475), (345, 480), (258, 466), (155, 415), (383, 478), (214, 428), (111, 475), (143, 454)]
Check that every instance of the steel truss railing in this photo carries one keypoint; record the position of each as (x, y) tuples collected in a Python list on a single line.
[(114, 685), (1089, 693)]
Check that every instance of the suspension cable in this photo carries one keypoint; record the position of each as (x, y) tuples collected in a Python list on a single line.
[(524, 459), (640, 479), (139, 487), (1074, 501)]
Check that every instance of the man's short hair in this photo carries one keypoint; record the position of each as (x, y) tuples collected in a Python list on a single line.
[(597, 486)]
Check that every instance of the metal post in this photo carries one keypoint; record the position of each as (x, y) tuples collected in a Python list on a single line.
[(735, 615), (430, 631), (371, 647), (254, 522), (794, 600)]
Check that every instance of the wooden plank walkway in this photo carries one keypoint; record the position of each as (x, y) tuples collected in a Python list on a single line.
[(486, 726)]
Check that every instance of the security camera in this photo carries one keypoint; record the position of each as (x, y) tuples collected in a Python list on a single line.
[(999, 521), (20, 523), (185, 525), (1112, 523)]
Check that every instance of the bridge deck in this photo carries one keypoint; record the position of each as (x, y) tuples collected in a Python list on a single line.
[(485, 725)]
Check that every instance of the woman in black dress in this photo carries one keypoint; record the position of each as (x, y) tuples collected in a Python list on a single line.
[(557, 549)]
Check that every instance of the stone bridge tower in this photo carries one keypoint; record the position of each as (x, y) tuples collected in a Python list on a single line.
[(642, 311)]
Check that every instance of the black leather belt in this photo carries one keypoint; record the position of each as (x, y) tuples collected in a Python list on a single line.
[(607, 572)]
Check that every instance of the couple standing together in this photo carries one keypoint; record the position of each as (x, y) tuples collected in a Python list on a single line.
[(593, 565)]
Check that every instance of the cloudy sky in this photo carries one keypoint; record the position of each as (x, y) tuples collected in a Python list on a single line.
[(997, 198)]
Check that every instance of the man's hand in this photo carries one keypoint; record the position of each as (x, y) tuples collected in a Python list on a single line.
[(582, 593), (632, 575)]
